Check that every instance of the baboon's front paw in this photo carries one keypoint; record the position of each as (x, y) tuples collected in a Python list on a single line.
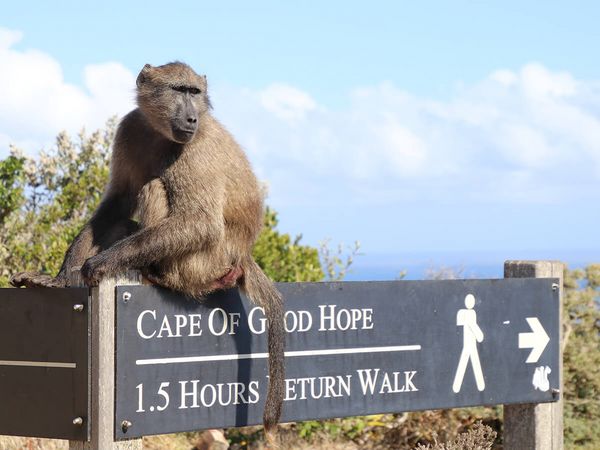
[(93, 270), (36, 279), (54, 282), (21, 279)]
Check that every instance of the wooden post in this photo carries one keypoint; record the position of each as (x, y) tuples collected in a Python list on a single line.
[(102, 380), (536, 426)]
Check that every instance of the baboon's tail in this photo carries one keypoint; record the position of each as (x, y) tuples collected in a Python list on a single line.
[(257, 286)]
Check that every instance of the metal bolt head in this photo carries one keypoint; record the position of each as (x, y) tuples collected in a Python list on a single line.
[(78, 421), (555, 392), (78, 307), (125, 425), (555, 286), (126, 296)]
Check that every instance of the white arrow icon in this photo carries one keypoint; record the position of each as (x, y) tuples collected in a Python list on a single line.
[(536, 341)]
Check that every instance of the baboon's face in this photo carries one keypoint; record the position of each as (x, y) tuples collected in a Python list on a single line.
[(173, 98)]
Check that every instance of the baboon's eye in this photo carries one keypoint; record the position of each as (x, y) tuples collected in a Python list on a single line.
[(184, 89)]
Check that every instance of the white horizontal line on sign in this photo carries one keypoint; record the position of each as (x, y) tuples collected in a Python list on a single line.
[(333, 351), (60, 365)]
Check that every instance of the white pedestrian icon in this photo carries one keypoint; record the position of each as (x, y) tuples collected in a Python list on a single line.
[(472, 334)]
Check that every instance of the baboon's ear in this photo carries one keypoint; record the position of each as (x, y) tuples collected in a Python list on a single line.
[(143, 75)]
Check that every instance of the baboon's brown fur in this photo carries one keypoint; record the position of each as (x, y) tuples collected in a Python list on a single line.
[(198, 205)]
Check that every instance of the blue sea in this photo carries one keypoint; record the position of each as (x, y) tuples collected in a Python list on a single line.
[(485, 264)]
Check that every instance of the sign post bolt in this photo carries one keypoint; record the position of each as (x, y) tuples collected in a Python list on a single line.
[(555, 286), (126, 296), (78, 307), (78, 421), (125, 425)]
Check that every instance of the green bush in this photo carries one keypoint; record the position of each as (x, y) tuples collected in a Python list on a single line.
[(581, 346)]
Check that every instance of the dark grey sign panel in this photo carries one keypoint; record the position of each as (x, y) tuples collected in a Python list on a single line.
[(353, 348), (44, 362)]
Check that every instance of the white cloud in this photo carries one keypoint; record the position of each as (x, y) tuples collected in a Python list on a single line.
[(531, 135), (504, 77), (286, 102), (404, 150), (9, 37), (111, 87), (37, 102), (540, 82)]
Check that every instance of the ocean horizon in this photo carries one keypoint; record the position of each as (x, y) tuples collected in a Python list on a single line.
[(484, 264)]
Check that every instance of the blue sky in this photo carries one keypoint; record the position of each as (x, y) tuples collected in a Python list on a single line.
[(326, 48), (414, 127)]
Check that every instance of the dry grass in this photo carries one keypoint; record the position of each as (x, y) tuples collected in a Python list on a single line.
[(182, 441), (480, 437), (163, 442), (19, 443)]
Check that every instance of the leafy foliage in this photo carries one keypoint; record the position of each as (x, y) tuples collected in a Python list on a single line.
[(581, 345), (48, 200), (45, 201), (284, 259), (336, 263), (11, 185)]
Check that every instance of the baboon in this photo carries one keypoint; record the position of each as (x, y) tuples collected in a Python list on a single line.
[(198, 204)]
